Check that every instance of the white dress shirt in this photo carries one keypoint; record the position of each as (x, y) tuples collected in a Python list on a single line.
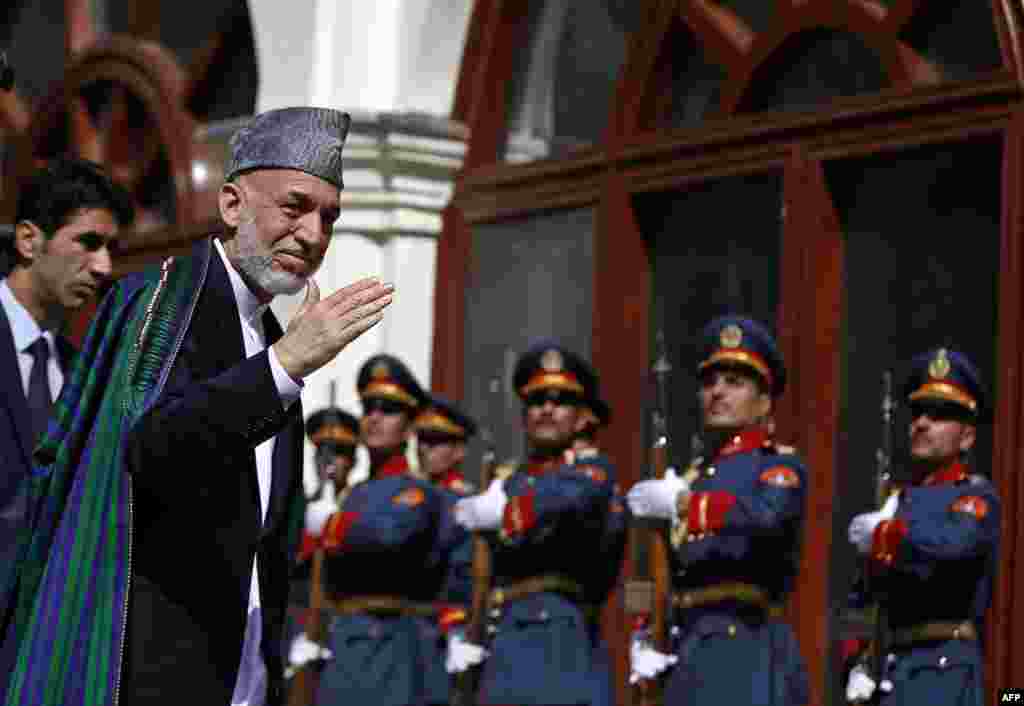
[(25, 331), (251, 684)]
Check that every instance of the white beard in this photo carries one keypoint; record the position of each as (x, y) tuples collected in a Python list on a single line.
[(255, 262)]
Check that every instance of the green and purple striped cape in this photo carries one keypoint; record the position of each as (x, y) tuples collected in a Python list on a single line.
[(75, 567)]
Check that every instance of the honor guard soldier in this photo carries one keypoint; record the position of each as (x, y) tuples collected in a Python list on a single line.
[(933, 548), (547, 523), (334, 434), (737, 516), (385, 562), (442, 431)]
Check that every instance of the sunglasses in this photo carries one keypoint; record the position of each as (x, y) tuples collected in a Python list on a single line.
[(435, 438), (382, 405), (940, 411), (330, 449), (559, 398)]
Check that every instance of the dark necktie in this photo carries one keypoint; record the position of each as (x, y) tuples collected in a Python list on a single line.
[(39, 398)]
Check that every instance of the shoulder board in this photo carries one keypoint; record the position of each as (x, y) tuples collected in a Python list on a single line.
[(586, 453), (783, 449), (410, 497), (978, 479), (971, 505)]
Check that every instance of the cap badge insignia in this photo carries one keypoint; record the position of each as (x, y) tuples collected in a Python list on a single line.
[(380, 371), (939, 367), (731, 336), (551, 361)]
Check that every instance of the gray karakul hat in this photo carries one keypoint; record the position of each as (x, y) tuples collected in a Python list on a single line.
[(307, 139)]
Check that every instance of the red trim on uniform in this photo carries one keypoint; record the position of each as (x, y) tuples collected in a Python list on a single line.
[(452, 479), (852, 648), (309, 545), (337, 527), (953, 473), (748, 440), (972, 505), (886, 540), (538, 467), (780, 476), (520, 514), (449, 616), (707, 510), (719, 504), (396, 465)]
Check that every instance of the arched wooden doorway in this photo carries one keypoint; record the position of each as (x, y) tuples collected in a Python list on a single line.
[(849, 170), (126, 98)]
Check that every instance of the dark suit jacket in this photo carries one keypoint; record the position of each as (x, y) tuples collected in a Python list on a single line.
[(15, 451), (196, 512)]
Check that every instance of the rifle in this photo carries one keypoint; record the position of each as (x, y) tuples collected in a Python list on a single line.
[(303, 687), (482, 570), (883, 482), (302, 690), (660, 558)]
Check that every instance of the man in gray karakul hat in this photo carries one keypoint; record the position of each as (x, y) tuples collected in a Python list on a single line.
[(209, 433)]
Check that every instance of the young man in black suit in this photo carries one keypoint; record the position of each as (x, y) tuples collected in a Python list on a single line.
[(68, 214)]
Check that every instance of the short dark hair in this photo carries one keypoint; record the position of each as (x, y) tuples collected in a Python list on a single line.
[(51, 196)]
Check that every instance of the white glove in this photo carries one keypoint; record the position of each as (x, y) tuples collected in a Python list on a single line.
[(461, 654), (319, 511), (862, 527), (483, 511), (859, 687), (657, 498), (645, 662), (302, 652)]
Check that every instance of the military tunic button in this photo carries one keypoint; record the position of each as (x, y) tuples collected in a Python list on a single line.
[(491, 629), (732, 631), (495, 613), (943, 661), (543, 615), (711, 471)]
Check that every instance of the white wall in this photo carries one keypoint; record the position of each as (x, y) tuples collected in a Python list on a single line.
[(365, 56)]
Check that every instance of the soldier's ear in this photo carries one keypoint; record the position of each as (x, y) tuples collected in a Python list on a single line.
[(968, 435), (764, 404)]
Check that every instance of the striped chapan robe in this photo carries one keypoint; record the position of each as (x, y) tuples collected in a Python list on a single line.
[(68, 633)]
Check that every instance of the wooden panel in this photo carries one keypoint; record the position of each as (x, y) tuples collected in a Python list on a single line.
[(857, 126), (1006, 618), (620, 350), (811, 298)]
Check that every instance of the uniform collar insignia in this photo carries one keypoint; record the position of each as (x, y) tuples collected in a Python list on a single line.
[(953, 473), (396, 465), (539, 466), (745, 441)]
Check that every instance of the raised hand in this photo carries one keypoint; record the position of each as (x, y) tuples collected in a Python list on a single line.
[(322, 328)]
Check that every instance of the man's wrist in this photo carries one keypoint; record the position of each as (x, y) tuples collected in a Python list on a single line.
[(288, 386)]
